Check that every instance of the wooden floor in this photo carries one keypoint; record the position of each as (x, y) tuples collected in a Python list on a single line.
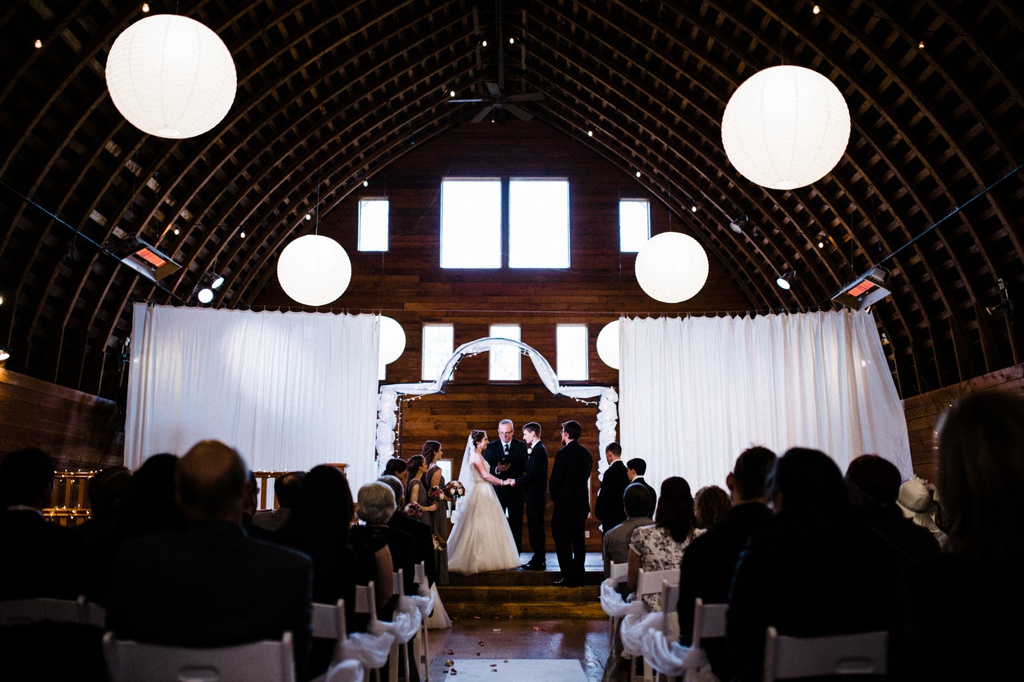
[(491, 621)]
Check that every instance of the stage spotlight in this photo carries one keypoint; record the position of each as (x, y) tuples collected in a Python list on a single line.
[(785, 280), (205, 295), (217, 280)]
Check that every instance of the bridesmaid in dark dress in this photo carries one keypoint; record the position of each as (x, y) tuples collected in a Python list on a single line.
[(438, 519)]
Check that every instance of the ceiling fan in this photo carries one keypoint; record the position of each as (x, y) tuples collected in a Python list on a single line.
[(496, 100)]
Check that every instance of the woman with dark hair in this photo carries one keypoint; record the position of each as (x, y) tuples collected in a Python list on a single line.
[(436, 518), (660, 547), (481, 540), (960, 611), (711, 504), (396, 466), (149, 505)]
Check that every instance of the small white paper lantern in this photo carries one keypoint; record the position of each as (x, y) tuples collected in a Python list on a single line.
[(608, 344), (392, 340), (671, 267), (314, 270), (171, 76), (786, 127)]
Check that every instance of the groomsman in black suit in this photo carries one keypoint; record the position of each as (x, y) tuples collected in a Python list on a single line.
[(609, 507), (636, 468), (570, 494), (533, 484), (506, 458)]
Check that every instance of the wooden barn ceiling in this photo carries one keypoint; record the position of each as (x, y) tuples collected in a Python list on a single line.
[(336, 91)]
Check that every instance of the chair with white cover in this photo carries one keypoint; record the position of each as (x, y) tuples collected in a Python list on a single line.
[(617, 574), (863, 653), (667, 657), (420, 647), (371, 648), (708, 621), (270, 661), (329, 623), (635, 628)]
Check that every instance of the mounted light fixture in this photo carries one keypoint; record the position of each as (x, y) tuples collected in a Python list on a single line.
[(786, 127), (865, 290), (671, 267), (146, 260), (5, 353), (738, 224), (786, 279), (171, 76)]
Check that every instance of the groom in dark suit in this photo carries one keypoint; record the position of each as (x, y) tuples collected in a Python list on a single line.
[(506, 458), (571, 497), (533, 484)]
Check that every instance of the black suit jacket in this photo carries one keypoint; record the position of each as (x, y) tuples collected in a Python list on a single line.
[(208, 586), (569, 478), (534, 481), (654, 493), (609, 507), (517, 457), (37, 556), (423, 541)]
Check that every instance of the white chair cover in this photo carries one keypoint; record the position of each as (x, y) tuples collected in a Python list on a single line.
[(371, 649), (613, 604), (345, 671)]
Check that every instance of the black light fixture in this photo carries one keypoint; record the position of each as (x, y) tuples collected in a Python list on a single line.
[(786, 279), (738, 224)]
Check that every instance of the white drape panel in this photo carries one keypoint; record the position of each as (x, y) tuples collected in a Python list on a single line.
[(288, 390), (696, 392)]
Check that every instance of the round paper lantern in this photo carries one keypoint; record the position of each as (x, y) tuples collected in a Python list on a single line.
[(314, 270), (392, 340), (608, 344), (671, 267), (786, 127), (171, 76)]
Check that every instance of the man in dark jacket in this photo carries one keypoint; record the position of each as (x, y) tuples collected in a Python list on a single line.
[(533, 484), (609, 507), (570, 495)]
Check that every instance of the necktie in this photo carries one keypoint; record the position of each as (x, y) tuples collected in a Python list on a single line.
[(506, 449)]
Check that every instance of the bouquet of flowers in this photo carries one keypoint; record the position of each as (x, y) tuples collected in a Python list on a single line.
[(413, 510), (455, 490), (436, 493)]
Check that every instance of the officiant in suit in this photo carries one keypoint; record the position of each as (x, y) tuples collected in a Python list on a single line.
[(534, 484), (506, 458)]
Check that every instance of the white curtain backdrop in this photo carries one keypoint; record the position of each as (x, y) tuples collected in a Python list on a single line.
[(288, 390), (696, 392)]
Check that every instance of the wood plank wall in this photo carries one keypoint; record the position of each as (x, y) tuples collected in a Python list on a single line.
[(406, 282), (77, 429), (923, 413)]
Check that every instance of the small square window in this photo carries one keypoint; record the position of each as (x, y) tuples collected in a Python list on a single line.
[(438, 346), (572, 352), (505, 362), (634, 224), (373, 224)]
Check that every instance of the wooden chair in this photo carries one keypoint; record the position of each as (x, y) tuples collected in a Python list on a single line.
[(708, 620), (617, 573), (366, 602), (421, 652), (652, 582), (786, 657), (270, 661)]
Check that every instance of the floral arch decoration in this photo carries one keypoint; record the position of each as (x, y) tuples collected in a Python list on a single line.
[(387, 399)]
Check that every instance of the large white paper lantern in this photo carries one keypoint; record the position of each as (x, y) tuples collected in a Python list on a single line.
[(314, 270), (171, 76), (671, 267), (608, 344), (392, 340), (786, 127)]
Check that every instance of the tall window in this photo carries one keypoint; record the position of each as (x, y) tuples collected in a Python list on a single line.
[(438, 346), (634, 224), (373, 224), (538, 223), (572, 352), (471, 223), (505, 361)]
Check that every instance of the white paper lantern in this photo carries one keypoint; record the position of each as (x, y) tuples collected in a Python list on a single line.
[(171, 76), (392, 340), (786, 127), (671, 267), (314, 270), (608, 344)]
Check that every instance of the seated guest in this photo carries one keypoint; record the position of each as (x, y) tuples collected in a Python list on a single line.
[(376, 503), (285, 489), (396, 466), (149, 504), (635, 469), (38, 555), (100, 533), (960, 611), (636, 502), (710, 505), (708, 563), (210, 585), (813, 569), (420, 532), (918, 504), (874, 484), (660, 547)]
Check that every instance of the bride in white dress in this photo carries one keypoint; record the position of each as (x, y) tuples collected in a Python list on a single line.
[(480, 539)]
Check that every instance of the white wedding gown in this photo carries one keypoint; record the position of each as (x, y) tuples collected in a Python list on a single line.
[(480, 539)]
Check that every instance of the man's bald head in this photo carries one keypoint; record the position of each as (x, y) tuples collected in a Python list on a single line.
[(210, 482)]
